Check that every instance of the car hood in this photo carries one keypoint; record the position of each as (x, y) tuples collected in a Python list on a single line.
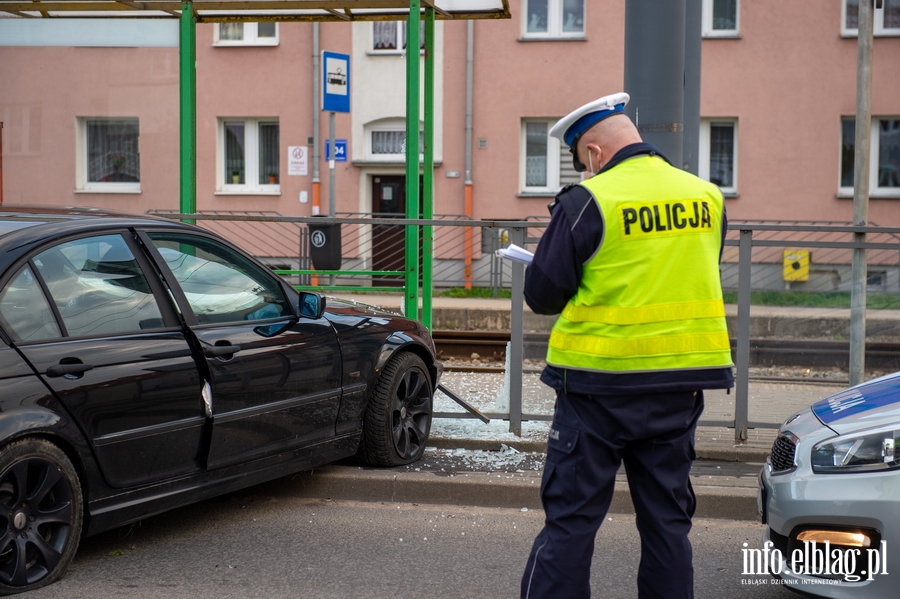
[(346, 305), (870, 404)]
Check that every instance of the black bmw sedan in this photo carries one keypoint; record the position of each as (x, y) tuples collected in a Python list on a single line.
[(146, 364)]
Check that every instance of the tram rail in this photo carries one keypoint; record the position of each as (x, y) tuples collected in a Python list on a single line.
[(808, 353)]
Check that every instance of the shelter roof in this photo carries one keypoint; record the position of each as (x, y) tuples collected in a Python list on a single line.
[(210, 11)]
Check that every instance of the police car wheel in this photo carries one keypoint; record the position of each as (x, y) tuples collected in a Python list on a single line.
[(398, 416)]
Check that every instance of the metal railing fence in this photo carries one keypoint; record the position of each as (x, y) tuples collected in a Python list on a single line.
[(755, 258)]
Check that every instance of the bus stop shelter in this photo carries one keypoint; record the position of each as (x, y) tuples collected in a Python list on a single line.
[(191, 12)]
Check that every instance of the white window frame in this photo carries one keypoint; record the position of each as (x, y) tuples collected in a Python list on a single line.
[(875, 190), (251, 37), (401, 27), (878, 28), (394, 126), (705, 155), (554, 23), (251, 159), (707, 21), (82, 185), (553, 159)]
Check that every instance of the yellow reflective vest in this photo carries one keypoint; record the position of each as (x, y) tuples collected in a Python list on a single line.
[(650, 298)]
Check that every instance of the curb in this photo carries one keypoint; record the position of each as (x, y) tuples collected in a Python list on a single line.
[(489, 490), (736, 453)]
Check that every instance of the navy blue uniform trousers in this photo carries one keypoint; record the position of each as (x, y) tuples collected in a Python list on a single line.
[(591, 435)]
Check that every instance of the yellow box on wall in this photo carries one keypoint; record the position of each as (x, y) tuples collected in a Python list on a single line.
[(795, 265)]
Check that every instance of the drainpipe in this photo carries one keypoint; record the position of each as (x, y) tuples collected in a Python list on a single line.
[(470, 52), (316, 184)]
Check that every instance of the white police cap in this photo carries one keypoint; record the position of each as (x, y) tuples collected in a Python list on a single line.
[(569, 128)]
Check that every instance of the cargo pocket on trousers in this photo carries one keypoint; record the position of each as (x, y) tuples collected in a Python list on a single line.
[(558, 481)]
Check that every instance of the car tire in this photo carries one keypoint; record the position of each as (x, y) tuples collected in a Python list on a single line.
[(40, 500), (398, 415)]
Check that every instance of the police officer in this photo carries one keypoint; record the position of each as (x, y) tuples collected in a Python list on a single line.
[(629, 261)]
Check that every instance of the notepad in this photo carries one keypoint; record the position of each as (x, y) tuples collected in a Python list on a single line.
[(514, 252)]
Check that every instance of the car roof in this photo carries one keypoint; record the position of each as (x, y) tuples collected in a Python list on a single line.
[(11, 214), (15, 218), (22, 226)]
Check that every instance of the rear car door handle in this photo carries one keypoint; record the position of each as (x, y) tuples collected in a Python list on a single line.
[(58, 370), (216, 351)]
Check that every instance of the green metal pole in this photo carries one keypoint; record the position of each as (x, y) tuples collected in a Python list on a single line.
[(187, 75), (412, 158), (428, 174)]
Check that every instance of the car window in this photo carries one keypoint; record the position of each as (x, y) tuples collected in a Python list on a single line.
[(220, 284), (98, 287), (25, 311)]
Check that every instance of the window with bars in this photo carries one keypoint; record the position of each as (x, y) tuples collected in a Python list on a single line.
[(246, 34), (109, 157), (390, 36), (553, 19), (886, 19), (718, 153), (721, 18), (884, 163), (250, 155)]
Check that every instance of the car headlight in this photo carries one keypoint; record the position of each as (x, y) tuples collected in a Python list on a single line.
[(873, 450)]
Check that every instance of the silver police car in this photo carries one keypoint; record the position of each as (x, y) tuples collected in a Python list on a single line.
[(829, 495)]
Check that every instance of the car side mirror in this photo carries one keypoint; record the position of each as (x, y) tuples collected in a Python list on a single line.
[(312, 305)]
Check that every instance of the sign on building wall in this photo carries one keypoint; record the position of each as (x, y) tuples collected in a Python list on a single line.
[(298, 160), (340, 150)]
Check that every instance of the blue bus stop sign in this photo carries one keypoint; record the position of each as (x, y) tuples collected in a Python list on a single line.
[(335, 82)]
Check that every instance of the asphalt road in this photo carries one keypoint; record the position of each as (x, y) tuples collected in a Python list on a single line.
[(267, 543)]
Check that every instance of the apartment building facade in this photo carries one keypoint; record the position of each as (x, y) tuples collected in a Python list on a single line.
[(97, 125)]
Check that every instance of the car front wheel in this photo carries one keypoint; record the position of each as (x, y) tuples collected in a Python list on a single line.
[(398, 416), (41, 512)]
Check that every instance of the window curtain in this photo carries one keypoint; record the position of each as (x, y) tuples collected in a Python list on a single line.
[(725, 14), (421, 35), (268, 153), (384, 35), (393, 142), (889, 153), (234, 153), (231, 32), (388, 142), (852, 14), (891, 14), (721, 155), (536, 154), (537, 16), (113, 151), (573, 16), (848, 151)]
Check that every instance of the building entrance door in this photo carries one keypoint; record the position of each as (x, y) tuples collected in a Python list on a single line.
[(388, 242)]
